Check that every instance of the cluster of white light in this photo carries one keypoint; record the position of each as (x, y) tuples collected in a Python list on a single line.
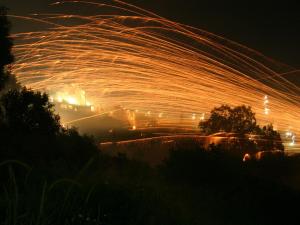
[(266, 105), (202, 117), (71, 95), (292, 137), (193, 116), (72, 98)]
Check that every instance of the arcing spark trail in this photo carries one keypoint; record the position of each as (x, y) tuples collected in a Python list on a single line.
[(144, 62)]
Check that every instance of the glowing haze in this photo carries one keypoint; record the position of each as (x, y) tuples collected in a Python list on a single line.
[(147, 63)]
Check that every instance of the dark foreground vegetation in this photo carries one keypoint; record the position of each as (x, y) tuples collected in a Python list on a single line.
[(52, 175), (193, 186)]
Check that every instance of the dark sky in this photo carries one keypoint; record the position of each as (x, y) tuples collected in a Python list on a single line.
[(267, 26)]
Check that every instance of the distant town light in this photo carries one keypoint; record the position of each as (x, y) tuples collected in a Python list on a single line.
[(266, 105), (246, 157), (72, 100), (202, 117), (193, 116), (59, 99)]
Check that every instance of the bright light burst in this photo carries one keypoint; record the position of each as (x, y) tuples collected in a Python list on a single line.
[(147, 63), (292, 137), (70, 95)]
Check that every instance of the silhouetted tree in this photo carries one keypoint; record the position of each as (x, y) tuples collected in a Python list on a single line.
[(270, 139), (239, 120), (29, 129), (21, 110), (26, 111), (6, 44), (213, 165)]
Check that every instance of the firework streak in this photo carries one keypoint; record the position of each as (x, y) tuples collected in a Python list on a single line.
[(144, 62)]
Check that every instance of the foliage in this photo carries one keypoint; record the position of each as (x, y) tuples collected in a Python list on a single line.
[(271, 139), (239, 120), (63, 153), (203, 166), (51, 175), (6, 56), (26, 111), (29, 129), (193, 186)]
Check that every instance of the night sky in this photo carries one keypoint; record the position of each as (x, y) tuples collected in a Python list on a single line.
[(271, 27)]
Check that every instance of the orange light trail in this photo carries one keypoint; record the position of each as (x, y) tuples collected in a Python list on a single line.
[(145, 62)]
